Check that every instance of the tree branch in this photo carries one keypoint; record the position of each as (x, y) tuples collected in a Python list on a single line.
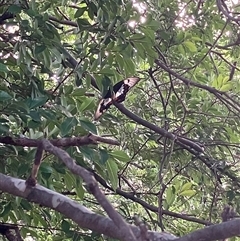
[(84, 217), (61, 142), (218, 231), (183, 142), (92, 187)]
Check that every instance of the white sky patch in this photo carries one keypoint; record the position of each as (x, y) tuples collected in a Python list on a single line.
[(56, 79), (11, 29), (142, 9), (235, 2)]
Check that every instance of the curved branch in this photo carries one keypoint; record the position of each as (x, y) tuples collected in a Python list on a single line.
[(225, 11), (219, 94), (215, 232), (183, 142), (92, 187), (81, 215)]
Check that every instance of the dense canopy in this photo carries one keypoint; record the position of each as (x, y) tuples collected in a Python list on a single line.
[(166, 159)]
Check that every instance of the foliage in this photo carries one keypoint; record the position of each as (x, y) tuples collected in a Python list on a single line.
[(58, 57)]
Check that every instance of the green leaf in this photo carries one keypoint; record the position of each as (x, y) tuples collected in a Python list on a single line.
[(190, 45), (138, 36), (23, 169), (87, 125), (106, 83), (129, 67), (59, 168), (68, 89), (39, 49), (67, 125), (4, 128), (65, 225), (5, 96), (112, 170), (88, 152), (35, 116), (186, 186), (45, 168), (140, 50), (48, 114), (14, 9), (80, 190), (3, 68), (69, 180), (103, 156), (26, 205), (154, 25), (170, 196), (120, 61), (120, 155), (36, 102), (87, 104), (6, 209), (83, 24), (80, 12), (226, 87), (107, 71), (187, 193)]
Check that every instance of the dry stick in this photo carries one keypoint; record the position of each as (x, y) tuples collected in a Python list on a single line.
[(92, 187)]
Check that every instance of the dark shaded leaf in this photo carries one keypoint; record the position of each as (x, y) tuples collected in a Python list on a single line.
[(87, 125), (67, 125)]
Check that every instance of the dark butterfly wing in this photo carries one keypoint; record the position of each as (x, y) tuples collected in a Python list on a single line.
[(120, 91), (103, 105), (127, 84)]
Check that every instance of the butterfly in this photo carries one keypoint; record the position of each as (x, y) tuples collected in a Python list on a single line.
[(119, 93)]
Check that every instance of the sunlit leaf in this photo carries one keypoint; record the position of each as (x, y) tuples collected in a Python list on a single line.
[(120, 155), (190, 45), (187, 193), (112, 170), (226, 87)]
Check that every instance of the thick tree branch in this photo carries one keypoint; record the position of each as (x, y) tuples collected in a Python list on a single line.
[(62, 142), (92, 187), (84, 217), (219, 231)]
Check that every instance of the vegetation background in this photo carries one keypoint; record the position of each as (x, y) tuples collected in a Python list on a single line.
[(169, 158)]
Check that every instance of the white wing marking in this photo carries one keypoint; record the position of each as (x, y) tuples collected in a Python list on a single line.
[(103, 104), (101, 107), (131, 81)]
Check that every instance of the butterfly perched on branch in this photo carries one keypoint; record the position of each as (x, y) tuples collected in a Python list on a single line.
[(118, 94)]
